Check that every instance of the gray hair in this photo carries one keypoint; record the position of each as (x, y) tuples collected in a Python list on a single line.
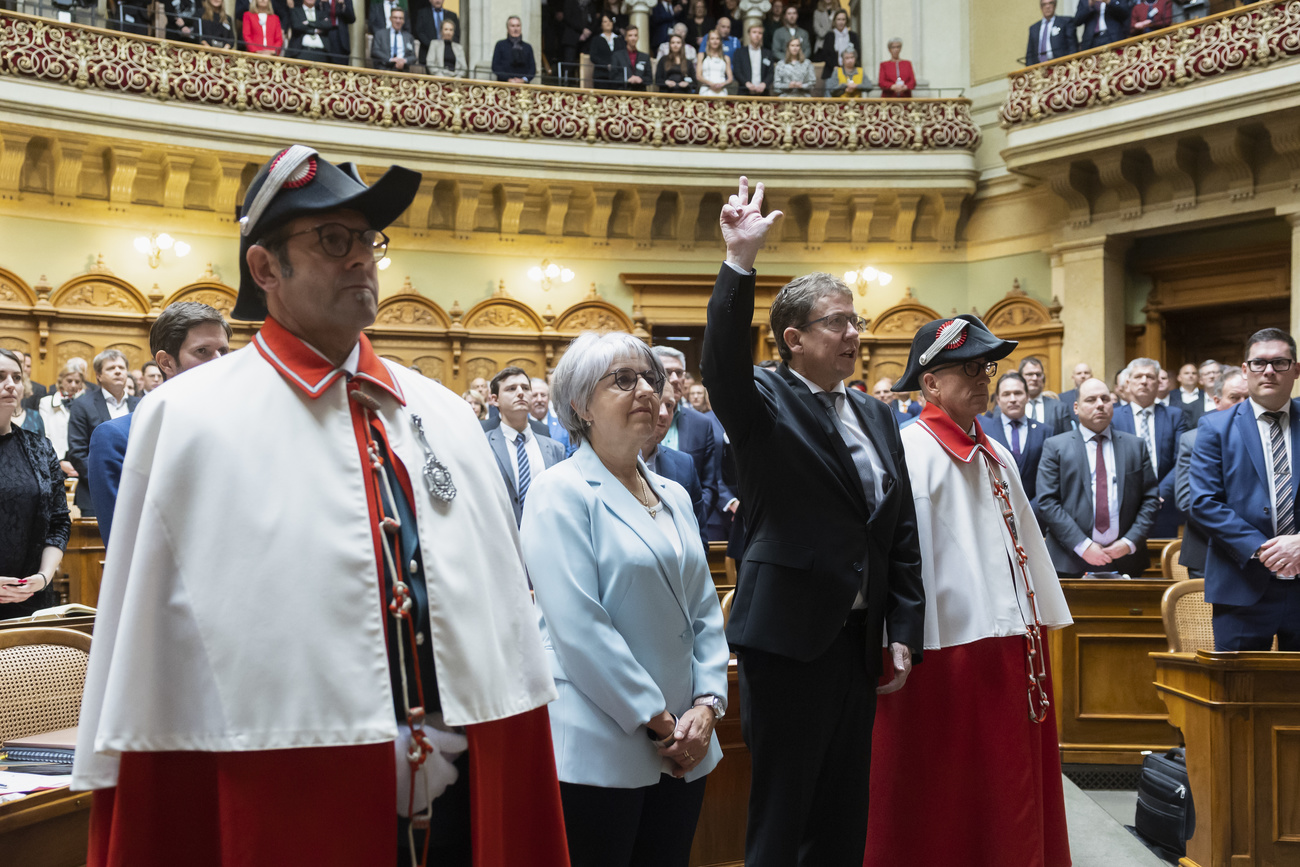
[(795, 302), (897, 40), (680, 29), (583, 366), (1216, 390), (669, 352), (1121, 378), (106, 356), (1207, 363), (1147, 363)]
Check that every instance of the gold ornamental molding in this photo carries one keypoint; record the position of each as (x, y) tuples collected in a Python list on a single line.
[(1253, 36), (91, 58)]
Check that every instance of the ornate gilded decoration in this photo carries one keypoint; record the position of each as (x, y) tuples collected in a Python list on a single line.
[(431, 366), (481, 368), (593, 314), (411, 308), (73, 349), (13, 290), (207, 291), (906, 322), (87, 57), (1199, 49), (100, 292)]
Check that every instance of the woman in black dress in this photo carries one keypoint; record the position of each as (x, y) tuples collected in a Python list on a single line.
[(34, 524)]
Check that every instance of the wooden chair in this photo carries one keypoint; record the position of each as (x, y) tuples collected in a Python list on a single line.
[(1187, 617), (1169, 565), (42, 673), (726, 607)]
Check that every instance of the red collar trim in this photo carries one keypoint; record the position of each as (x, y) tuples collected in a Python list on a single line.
[(954, 440), (311, 372)]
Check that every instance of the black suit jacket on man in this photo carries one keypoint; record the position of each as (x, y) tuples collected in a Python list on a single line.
[(87, 413), (1193, 411), (678, 466), (740, 68), (809, 532), (1056, 416), (1032, 438), (539, 427), (624, 69), (1116, 16), (501, 442), (1061, 38), (695, 437), (303, 28), (509, 61), (1170, 425), (1066, 506), (1195, 543)]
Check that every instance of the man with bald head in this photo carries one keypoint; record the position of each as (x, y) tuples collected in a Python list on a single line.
[(1097, 492), (1082, 373)]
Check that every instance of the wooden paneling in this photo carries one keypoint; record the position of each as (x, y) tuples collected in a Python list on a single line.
[(720, 835), (83, 562), (46, 829)]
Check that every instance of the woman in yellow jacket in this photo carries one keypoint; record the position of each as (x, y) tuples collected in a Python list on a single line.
[(848, 79)]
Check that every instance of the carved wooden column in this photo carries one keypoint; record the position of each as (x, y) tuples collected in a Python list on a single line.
[(753, 10)]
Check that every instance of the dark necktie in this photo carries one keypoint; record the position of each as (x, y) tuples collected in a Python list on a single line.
[(525, 473), (1015, 439), (1101, 523), (857, 451), (1043, 41), (1281, 475), (396, 44)]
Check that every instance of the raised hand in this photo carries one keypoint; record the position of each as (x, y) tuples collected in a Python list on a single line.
[(744, 228)]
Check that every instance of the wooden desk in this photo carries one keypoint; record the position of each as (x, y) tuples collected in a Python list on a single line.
[(1107, 710), (720, 835), (47, 829), (1240, 718), (83, 562)]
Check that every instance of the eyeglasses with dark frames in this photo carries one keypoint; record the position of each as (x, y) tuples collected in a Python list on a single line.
[(625, 378), (970, 368), (837, 322), (1259, 365), (336, 240)]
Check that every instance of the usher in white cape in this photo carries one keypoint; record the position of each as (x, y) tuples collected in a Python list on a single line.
[(240, 605), (971, 590)]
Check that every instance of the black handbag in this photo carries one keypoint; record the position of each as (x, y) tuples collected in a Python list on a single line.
[(1165, 814)]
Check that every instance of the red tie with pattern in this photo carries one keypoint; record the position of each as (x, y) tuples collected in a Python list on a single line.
[(1102, 522)]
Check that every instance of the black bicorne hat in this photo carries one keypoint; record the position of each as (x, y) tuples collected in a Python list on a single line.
[(944, 341), (295, 182)]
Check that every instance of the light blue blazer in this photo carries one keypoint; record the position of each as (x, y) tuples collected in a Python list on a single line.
[(629, 627)]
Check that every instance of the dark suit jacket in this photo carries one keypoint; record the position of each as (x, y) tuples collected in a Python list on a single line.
[(624, 68), (505, 65), (1066, 507), (1056, 417), (339, 43), (381, 49), (719, 521), (744, 75), (87, 413), (695, 437), (1117, 15), (678, 466), (1170, 425), (1195, 542), (1193, 411), (1031, 448), (576, 19), (826, 54), (1231, 500), (662, 19), (1062, 39), (602, 58), (552, 454), (493, 422), (376, 20), (912, 411), (301, 28), (1068, 399), (809, 533), (104, 468), (428, 31)]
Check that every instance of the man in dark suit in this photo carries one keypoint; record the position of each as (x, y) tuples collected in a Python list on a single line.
[(428, 26), (1082, 373), (1229, 391), (341, 14), (1044, 410), (493, 421), (379, 13), (1023, 436), (1050, 37), (692, 433), (1103, 22), (392, 47), (662, 18), (631, 67), (1189, 396), (754, 66), (92, 409), (1243, 476), (672, 464), (521, 452), (512, 57), (1096, 492), (1159, 427), (832, 557), (311, 29)]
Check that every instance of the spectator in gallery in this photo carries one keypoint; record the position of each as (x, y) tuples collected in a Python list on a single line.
[(824, 18), (34, 523), (837, 41), (182, 20), (794, 75), (614, 9), (675, 72), (732, 12), (664, 18), (263, 31), (897, 79), (446, 57), (341, 14), (699, 23), (576, 36), (632, 67), (311, 28), (1148, 17), (131, 16), (642, 672), (1051, 36), (689, 50), (54, 409), (92, 409), (379, 13), (713, 68), (392, 47), (849, 80), (754, 66), (772, 23), (475, 401), (428, 25), (788, 30), (512, 59), (729, 42), (1103, 22), (602, 46)]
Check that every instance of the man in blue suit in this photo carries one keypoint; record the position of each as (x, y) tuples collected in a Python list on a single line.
[(92, 409), (1243, 485), (675, 465), (1052, 36), (1103, 21), (1023, 436), (1159, 427), (183, 336), (521, 450), (542, 412), (691, 432)]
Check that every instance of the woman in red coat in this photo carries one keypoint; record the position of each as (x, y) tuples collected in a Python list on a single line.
[(263, 33), (896, 77)]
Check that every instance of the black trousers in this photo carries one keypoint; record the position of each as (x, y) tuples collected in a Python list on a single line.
[(650, 826), (1252, 627), (808, 728)]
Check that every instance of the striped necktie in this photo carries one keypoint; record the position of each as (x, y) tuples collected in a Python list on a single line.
[(1146, 430), (525, 472), (1285, 497)]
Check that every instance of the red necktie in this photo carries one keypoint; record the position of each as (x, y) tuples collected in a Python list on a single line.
[(1102, 522)]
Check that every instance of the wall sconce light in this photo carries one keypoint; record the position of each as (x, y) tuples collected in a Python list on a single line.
[(153, 246), (548, 274), (861, 278)]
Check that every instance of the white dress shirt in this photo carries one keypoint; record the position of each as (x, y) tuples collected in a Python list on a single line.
[(1024, 430), (1265, 428), (54, 411), (1112, 490), (1149, 414), (1101, 17), (312, 40), (1034, 408), (756, 64), (116, 408), (1185, 396), (536, 463)]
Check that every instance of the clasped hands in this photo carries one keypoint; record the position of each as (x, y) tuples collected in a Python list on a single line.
[(19, 589), (1096, 555), (1281, 556), (691, 737)]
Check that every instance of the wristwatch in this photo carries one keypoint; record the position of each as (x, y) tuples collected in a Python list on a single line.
[(714, 704)]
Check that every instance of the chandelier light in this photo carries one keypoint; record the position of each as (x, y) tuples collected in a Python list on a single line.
[(155, 244), (549, 273), (865, 276)]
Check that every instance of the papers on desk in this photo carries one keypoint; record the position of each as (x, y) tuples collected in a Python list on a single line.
[(1106, 576), (13, 783)]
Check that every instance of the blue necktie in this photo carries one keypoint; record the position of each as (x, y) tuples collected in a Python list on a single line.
[(525, 473)]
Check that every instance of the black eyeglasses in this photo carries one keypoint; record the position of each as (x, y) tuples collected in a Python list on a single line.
[(970, 368), (1259, 365), (336, 240), (625, 378), (837, 322)]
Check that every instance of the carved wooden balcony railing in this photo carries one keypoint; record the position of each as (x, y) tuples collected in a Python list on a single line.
[(87, 57), (1252, 36)]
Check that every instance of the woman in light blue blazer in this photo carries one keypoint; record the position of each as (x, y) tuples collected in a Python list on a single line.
[(630, 618)]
